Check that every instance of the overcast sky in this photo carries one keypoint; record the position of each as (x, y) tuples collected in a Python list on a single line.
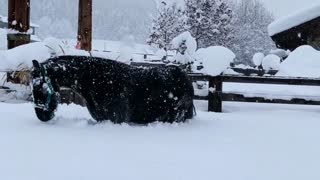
[(285, 7)]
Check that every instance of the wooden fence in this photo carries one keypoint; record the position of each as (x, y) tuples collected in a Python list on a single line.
[(216, 94)]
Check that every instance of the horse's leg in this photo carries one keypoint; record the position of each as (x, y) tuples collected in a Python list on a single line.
[(117, 111)]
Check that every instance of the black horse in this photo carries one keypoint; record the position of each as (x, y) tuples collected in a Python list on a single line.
[(114, 91)]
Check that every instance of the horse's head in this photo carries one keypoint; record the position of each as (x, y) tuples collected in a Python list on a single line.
[(45, 92)]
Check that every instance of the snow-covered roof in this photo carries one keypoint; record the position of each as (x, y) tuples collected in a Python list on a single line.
[(5, 20), (293, 20)]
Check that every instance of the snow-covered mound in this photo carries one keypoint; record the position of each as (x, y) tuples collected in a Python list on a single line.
[(184, 40), (303, 62), (257, 59), (271, 62), (24, 54), (41, 51), (215, 59), (294, 20)]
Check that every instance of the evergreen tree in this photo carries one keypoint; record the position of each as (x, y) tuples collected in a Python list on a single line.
[(251, 36), (209, 21), (166, 25)]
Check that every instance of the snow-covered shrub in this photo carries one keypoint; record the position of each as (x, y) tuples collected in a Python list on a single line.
[(186, 47), (271, 62), (257, 59), (303, 62), (215, 59)]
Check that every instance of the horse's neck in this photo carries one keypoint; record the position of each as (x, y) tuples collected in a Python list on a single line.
[(66, 73)]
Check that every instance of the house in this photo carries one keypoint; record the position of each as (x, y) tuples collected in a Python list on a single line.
[(301, 28)]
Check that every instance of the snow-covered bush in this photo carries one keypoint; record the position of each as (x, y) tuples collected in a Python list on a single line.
[(215, 59), (257, 59), (303, 62), (271, 62), (186, 47)]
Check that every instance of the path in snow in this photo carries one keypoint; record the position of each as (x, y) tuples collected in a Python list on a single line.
[(248, 142)]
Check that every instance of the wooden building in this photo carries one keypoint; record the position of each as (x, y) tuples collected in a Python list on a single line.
[(302, 28)]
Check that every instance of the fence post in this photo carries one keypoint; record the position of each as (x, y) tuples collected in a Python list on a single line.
[(19, 21), (215, 94), (85, 25)]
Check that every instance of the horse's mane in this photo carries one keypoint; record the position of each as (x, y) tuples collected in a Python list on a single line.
[(80, 59)]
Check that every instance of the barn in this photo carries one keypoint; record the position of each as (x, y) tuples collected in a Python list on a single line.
[(300, 28)]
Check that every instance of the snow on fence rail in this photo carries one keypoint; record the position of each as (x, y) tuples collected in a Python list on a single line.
[(217, 95)]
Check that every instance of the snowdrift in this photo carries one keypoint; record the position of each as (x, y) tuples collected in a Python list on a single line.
[(303, 62)]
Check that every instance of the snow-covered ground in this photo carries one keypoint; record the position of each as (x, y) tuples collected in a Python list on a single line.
[(247, 142)]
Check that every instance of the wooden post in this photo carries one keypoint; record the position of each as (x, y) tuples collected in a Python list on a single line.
[(85, 25), (18, 22), (215, 95)]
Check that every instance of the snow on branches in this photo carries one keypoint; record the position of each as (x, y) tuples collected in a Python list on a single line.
[(166, 26), (208, 21)]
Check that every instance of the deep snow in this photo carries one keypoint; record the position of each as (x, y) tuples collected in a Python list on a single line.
[(247, 142)]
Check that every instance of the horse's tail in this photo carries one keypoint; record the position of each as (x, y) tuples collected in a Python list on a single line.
[(186, 103)]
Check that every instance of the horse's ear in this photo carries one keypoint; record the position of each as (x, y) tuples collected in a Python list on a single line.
[(36, 65)]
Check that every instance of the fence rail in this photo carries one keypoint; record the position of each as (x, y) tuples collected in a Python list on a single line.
[(216, 94)]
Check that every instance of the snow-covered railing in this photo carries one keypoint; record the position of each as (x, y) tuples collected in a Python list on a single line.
[(217, 95)]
